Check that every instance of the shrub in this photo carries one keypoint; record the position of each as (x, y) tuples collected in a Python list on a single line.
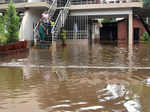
[(146, 3), (145, 37), (1, 24)]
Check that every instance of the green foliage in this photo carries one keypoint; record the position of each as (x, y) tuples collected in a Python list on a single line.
[(12, 23), (3, 39), (108, 20), (145, 37), (146, 3), (9, 26), (1, 24)]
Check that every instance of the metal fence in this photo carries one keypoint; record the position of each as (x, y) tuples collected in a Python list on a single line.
[(76, 27)]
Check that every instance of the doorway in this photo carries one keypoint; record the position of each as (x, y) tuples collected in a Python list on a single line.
[(136, 34)]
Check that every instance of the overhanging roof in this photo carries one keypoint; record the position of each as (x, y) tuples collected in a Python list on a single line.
[(144, 12), (22, 6)]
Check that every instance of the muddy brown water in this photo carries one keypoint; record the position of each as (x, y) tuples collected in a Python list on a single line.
[(78, 78)]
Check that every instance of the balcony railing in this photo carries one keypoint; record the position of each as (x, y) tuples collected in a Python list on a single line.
[(22, 1), (16, 1), (80, 2)]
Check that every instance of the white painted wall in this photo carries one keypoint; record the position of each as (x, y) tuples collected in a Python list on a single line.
[(35, 0)]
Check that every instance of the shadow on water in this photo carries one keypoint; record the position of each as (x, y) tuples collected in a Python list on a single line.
[(79, 78)]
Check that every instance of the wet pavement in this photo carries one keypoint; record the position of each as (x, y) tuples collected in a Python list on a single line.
[(78, 78)]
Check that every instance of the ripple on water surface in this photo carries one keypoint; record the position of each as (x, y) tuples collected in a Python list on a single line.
[(78, 78), (74, 90)]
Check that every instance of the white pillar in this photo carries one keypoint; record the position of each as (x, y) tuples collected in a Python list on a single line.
[(130, 39), (130, 27), (93, 31), (147, 21), (31, 16)]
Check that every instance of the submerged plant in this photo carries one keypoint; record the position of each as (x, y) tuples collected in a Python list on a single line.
[(12, 23)]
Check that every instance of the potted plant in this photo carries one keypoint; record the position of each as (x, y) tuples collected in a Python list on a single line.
[(3, 41), (10, 27), (12, 23)]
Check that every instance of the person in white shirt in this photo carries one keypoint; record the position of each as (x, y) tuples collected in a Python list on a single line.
[(45, 16)]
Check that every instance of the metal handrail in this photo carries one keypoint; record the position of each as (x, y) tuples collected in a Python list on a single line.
[(60, 20), (52, 9), (57, 26), (66, 11)]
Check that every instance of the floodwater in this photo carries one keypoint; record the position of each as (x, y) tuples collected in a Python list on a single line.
[(78, 78)]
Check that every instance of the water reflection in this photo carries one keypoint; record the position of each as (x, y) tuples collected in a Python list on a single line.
[(147, 81), (80, 53)]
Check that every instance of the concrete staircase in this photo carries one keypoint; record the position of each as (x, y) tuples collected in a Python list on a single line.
[(59, 16)]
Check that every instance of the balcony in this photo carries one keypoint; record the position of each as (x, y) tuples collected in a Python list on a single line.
[(95, 6), (16, 1), (24, 4), (22, 1), (82, 2)]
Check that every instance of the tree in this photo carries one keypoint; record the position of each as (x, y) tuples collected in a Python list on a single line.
[(146, 3), (1, 24), (12, 23), (3, 39), (108, 20)]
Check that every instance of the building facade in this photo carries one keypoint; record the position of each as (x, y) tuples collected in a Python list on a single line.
[(75, 16)]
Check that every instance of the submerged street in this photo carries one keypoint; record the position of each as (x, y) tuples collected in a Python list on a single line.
[(77, 78)]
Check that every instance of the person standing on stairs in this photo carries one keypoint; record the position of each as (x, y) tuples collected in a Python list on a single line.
[(52, 24), (41, 29), (45, 17)]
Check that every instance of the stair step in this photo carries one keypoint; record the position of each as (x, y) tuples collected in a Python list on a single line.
[(44, 44)]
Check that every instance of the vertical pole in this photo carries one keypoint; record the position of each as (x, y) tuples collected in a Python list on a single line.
[(130, 39), (87, 26), (130, 32), (147, 20), (52, 37)]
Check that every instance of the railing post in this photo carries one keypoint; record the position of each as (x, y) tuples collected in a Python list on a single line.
[(52, 37)]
